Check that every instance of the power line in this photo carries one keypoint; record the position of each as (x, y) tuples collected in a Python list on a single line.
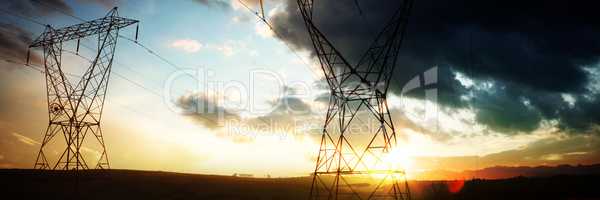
[(78, 18), (358, 7), (81, 19), (164, 59), (114, 61), (18, 63), (40, 69), (264, 20), (117, 74), (22, 17), (57, 9), (132, 40), (150, 51), (137, 84)]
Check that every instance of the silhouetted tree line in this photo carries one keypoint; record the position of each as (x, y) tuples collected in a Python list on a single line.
[(571, 187)]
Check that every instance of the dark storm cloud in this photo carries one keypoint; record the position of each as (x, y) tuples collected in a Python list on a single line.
[(529, 43), (534, 51), (46, 7), (105, 3), (37, 7), (500, 110), (14, 42)]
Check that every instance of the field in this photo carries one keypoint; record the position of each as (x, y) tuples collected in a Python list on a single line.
[(148, 185)]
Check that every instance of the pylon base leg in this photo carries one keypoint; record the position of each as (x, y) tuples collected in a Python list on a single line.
[(359, 185)]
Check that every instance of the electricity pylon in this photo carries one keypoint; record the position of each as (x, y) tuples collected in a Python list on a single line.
[(75, 110), (350, 149)]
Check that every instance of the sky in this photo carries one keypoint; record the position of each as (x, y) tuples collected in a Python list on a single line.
[(514, 85)]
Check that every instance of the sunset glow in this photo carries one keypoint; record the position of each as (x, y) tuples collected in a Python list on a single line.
[(209, 88)]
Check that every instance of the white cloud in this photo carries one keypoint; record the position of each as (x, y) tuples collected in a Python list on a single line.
[(230, 47), (25, 139), (187, 45), (464, 80), (593, 85), (570, 99)]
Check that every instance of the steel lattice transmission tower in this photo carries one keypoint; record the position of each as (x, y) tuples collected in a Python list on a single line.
[(350, 149), (75, 109)]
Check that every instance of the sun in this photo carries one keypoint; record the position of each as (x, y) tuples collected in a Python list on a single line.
[(399, 159), (397, 162)]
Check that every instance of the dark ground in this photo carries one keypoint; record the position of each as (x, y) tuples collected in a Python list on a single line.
[(126, 184)]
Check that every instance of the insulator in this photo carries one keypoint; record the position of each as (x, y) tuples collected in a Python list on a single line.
[(77, 51), (137, 27), (28, 53)]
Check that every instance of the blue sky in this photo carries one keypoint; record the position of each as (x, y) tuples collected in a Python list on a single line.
[(225, 43), (146, 121)]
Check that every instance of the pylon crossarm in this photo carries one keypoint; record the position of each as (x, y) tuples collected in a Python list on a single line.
[(386, 46), (78, 31)]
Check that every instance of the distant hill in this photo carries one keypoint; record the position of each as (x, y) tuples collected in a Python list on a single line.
[(146, 185), (151, 185), (503, 172)]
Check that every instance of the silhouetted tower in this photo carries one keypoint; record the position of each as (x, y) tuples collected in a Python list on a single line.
[(75, 109), (352, 148)]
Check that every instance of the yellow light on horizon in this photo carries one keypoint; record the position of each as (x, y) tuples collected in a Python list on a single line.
[(399, 159), (396, 163)]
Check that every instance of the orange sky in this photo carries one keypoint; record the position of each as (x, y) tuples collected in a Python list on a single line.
[(252, 73)]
